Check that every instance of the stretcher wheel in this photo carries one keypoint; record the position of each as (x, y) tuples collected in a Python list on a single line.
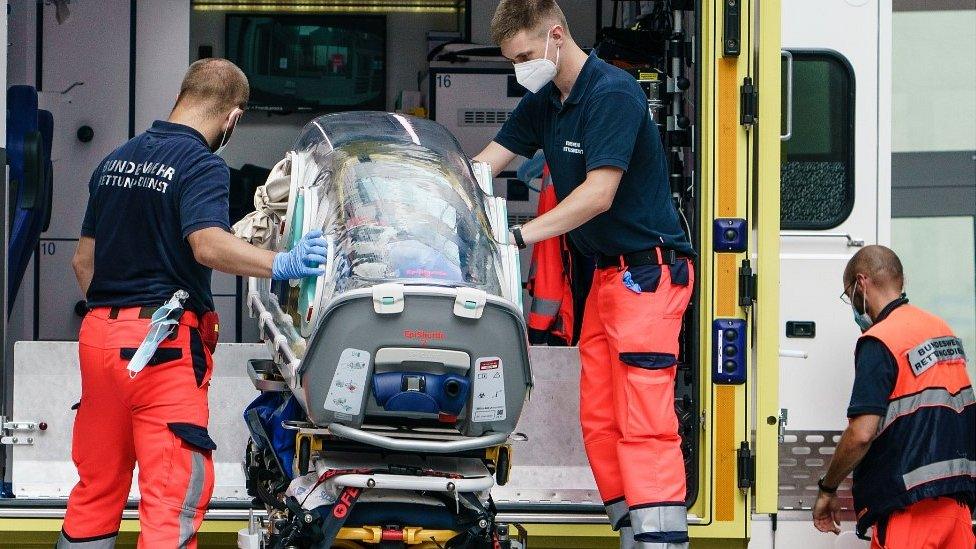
[(304, 455)]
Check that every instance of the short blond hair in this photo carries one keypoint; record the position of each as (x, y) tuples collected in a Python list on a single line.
[(214, 84), (514, 16)]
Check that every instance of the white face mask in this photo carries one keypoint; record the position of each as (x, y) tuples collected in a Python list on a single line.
[(535, 74), (225, 138)]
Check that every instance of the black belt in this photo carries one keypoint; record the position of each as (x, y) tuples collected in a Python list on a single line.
[(144, 312), (654, 256)]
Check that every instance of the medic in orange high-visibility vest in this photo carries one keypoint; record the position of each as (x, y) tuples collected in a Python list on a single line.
[(911, 441)]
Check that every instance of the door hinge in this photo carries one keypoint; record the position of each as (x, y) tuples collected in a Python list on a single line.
[(784, 418), (748, 282), (749, 103), (19, 433), (746, 461), (731, 41)]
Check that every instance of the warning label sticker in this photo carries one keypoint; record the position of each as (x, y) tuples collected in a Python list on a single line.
[(349, 383), (489, 390)]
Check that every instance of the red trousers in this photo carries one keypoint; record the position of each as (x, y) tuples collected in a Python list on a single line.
[(158, 419), (628, 349), (937, 523)]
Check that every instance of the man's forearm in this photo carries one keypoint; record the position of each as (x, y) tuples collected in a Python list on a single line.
[(84, 277), (569, 214), (850, 451), (226, 253), (593, 197), (83, 263)]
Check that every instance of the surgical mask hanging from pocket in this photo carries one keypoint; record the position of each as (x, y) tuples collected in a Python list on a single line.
[(164, 321)]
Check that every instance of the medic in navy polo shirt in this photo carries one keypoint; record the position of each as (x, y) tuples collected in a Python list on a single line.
[(157, 223), (610, 175)]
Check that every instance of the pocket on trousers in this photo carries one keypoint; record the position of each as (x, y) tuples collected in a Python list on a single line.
[(679, 272), (194, 435), (649, 361), (161, 356), (649, 389), (202, 360), (648, 277)]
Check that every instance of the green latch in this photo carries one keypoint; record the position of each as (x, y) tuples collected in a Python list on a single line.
[(470, 304), (387, 301)]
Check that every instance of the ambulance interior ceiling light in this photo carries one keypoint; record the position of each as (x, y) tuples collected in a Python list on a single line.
[(332, 6)]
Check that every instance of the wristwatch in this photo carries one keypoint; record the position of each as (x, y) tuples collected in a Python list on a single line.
[(824, 489), (517, 233)]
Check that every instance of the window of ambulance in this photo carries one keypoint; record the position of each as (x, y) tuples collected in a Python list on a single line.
[(817, 160)]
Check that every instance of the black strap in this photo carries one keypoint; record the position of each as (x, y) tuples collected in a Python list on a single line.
[(144, 312), (517, 234), (882, 530), (636, 259), (337, 516)]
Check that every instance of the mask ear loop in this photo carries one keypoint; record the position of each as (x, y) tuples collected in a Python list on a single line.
[(233, 124), (545, 55), (864, 301)]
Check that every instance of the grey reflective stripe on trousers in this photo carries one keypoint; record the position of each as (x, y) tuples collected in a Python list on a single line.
[(193, 492), (936, 396), (546, 307), (939, 470), (618, 512), (104, 543), (663, 518), (627, 540)]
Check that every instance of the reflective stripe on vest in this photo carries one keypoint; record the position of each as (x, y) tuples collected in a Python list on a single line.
[(545, 307), (936, 396), (939, 470)]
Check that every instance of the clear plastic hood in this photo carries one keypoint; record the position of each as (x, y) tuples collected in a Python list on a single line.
[(399, 201)]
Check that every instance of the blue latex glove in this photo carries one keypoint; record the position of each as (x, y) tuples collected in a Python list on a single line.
[(304, 260), (630, 284)]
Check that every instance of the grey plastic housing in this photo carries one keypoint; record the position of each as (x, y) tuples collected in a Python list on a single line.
[(428, 311)]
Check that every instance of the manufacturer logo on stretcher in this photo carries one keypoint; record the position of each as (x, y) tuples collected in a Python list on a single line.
[(423, 336)]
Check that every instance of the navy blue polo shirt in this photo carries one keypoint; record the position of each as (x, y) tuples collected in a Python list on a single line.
[(603, 123), (144, 200)]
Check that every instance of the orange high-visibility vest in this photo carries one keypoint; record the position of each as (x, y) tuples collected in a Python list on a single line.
[(926, 443), (551, 309)]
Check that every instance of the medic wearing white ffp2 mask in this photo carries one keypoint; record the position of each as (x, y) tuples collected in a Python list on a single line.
[(609, 173), (536, 73)]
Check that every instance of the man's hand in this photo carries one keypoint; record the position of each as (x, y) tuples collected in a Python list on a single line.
[(304, 260), (826, 513), (854, 444)]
